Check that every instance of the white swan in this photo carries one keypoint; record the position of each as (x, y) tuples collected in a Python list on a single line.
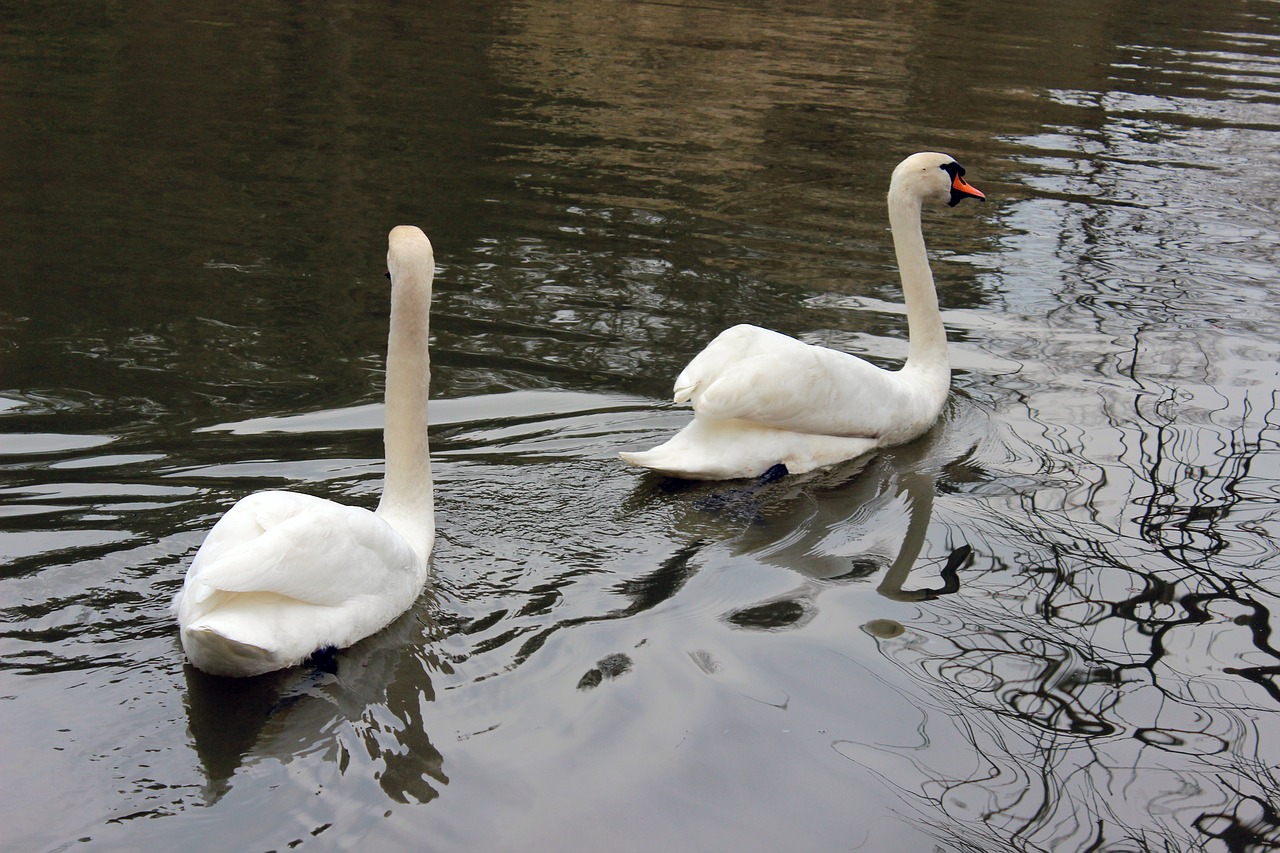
[(282, 575), (761, 398)]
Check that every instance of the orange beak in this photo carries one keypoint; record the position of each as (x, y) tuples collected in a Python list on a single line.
[(961, 189)]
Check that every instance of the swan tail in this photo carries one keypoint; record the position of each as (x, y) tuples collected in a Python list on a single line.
[(249, 634), (212, 650), (670, 464), (688, 464), (730, 450)]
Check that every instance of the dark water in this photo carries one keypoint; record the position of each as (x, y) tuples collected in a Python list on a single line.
[(1047, 625)]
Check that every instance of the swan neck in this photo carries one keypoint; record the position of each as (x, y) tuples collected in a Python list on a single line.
[(407, 491), (926, 332)]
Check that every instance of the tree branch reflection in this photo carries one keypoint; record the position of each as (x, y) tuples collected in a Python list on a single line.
[(1104, 655)]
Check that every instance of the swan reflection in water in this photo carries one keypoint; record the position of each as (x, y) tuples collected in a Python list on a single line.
[(365, 700), (868, 517)]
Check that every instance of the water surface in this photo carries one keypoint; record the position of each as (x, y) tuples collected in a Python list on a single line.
[(1046, 625)]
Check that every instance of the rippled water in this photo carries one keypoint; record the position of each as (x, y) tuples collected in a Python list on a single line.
[(1047, 625)]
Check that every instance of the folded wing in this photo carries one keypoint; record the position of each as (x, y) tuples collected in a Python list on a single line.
[(769, 379), (299, 547)]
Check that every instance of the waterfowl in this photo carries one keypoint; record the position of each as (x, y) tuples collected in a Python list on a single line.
[(283, 575), (762, 399)]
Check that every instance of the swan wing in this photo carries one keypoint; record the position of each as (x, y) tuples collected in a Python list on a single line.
[(726, 350), (808, 389), (300, 547)]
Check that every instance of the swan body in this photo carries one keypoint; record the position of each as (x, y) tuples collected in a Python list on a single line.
[(761, 398), (282, 575)]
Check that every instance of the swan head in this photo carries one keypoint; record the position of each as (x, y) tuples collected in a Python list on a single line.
[(929, 175), (409, 255)]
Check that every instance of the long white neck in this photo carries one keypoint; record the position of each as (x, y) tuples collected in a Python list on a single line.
[(925, 330), (407, 492)]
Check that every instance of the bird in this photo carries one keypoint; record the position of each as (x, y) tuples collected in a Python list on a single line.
[(762, 399), (283, 575)]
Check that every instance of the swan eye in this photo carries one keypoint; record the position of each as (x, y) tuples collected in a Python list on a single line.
[(953, 169)]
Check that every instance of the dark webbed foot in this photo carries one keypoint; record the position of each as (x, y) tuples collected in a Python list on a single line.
[(324, 660), (773, 475), (740, 503)]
